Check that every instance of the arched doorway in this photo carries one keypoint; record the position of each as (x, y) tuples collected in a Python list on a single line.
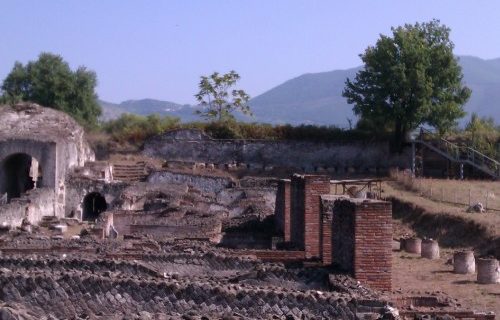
[(22, 172), (93, 204)]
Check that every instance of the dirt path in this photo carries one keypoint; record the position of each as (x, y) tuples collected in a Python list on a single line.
[(415, 275)]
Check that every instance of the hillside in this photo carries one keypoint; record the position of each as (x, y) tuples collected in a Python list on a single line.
[(316, 98)]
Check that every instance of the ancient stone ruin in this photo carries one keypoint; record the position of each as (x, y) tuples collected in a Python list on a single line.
[(159, 238)]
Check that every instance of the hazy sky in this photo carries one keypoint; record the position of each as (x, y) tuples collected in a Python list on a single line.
[(159, 49)]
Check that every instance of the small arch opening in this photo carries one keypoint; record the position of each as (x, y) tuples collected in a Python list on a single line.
[(22, 173), (93, 205)]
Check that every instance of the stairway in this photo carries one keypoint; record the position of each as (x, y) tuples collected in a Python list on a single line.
[(129, 171), (463, 155)]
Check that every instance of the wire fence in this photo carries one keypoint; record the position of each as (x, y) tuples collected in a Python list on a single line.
[(457, 192)]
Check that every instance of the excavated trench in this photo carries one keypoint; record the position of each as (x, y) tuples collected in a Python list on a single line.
[(449, 230)]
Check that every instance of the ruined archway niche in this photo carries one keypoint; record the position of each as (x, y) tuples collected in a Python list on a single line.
[(93, 205), (21, 172)]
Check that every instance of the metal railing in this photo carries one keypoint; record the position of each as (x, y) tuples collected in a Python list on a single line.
[(458, 153)]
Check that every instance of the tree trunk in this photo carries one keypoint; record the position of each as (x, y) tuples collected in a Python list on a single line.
[(399, 137)]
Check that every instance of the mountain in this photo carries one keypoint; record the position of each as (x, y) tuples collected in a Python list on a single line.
[(310, 98), (146, 107), (316, 98)]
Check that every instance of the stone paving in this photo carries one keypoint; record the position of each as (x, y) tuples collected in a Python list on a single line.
[(188, 280)]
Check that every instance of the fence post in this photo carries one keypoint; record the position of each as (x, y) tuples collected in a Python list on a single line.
[(470, 195), (442, 195)]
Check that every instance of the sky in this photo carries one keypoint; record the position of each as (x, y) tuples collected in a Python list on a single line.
[(159, 49)]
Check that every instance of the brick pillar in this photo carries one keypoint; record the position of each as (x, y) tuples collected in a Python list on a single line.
[(297, 193), (286, 211), (372, 244), (314, 187), (282, 214), (326, 237)]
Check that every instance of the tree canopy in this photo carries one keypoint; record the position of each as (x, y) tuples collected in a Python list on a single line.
[(50, 82), (409, 79), (219, 103)]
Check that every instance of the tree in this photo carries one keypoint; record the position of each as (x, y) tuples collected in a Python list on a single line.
[(409, 79), (50, 82), (219, 103), (483, 134)]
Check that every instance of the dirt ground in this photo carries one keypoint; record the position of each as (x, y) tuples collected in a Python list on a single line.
[(415, 275), (490, 220)]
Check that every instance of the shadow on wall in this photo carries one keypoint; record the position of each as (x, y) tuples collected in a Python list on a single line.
[(252, 234), (93, 205), (21, 173)]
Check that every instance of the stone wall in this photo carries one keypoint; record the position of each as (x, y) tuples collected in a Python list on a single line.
[(33, 206), (336, 157), (52, 137), (44, 152), (161, 226), (210, 184), (77, 188)]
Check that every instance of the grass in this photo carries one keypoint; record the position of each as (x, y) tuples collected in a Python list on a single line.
[(490, 220)]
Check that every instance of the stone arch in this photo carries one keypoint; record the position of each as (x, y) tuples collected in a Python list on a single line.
[(20, 173), (93, 205)]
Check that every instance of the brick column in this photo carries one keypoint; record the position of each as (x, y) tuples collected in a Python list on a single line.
[(297, 211), (282, 209), (326, 238), (286, 211), (372, 244), (314, 187)]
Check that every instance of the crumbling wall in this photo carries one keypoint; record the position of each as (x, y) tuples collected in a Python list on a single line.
[(31, 206), (43, 152), (78, 187), (193, 146), (203, 183), (170, 226), (52, 137)]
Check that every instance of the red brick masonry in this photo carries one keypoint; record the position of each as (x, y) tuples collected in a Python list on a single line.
[(365, 247)]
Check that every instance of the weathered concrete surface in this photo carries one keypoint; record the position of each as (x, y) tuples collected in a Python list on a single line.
[(52, 137), (31, 206), (194, 146)]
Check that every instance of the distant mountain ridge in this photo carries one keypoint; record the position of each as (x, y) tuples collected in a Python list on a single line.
[(316, 98), (146, 107)]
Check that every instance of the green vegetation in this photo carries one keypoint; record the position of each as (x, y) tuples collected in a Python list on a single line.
[(50, 82), (409, 79), (483, 135), (215, 97), (134, 129)]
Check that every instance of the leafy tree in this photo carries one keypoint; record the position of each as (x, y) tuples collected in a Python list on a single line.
[(483, 134), (219, 103), (50, 82), (409, 79)]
